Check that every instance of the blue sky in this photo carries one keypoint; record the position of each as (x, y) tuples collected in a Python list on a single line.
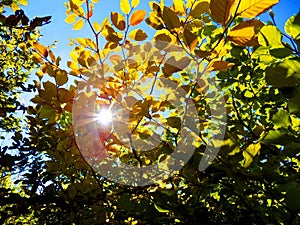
[(60, 31)]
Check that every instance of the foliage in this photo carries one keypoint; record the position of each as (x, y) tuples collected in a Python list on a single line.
[(255, 176)]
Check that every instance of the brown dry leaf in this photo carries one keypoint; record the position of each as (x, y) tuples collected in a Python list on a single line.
[(138, 35), (190, 39), (171, 19), (221, 10), (118, 20)]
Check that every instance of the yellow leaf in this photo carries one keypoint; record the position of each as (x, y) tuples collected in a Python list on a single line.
[(179, 7), (40, 49), (245, 33), (199, 8), (219, 65), (137, 17), (253, 8), (97, 27), (118, 20), (71, 18), (125, 6), (138, 35), (95, 1), (78, 25), (249, 153), (135, 3), (14, 6), (171, 19), (78, 2), (221, 10), (23, 2)]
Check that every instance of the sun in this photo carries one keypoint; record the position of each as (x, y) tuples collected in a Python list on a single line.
[(105, 116)]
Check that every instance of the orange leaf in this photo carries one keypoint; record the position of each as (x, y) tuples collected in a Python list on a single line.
[(219, 65), (40, 49), (137, 17), (253, 8), (221, 10), (90, 14), (245, 33)]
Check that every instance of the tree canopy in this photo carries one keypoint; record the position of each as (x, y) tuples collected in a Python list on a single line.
[(205, 123)]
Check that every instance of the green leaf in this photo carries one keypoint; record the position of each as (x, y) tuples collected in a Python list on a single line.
[(294, 105), (269, 36), (281, 119), (280, 53), (285, 74), (277, 137), (292, 26), (293, 196)]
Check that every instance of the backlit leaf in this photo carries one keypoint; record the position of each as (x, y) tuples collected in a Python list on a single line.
[(154, 21), (125, 6), (292, 26), (135, 3), (253, 8), (118, 20), (171, 19), (61, 77), (221, 10), (172, 65), (270, 36), (138, 35), (23, 2), (78, 25), (190, 39), (71, 18), (284, 74), (97, 27), (250, 152), (281, 119), (199, 8), (40, 49), (90, 13), (137, 17), (219, 65), (245, 33), (179, 7)]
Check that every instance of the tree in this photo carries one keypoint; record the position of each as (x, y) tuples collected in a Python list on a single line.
[(213, 79)]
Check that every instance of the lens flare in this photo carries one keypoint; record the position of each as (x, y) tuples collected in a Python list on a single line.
[(105, 116)]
